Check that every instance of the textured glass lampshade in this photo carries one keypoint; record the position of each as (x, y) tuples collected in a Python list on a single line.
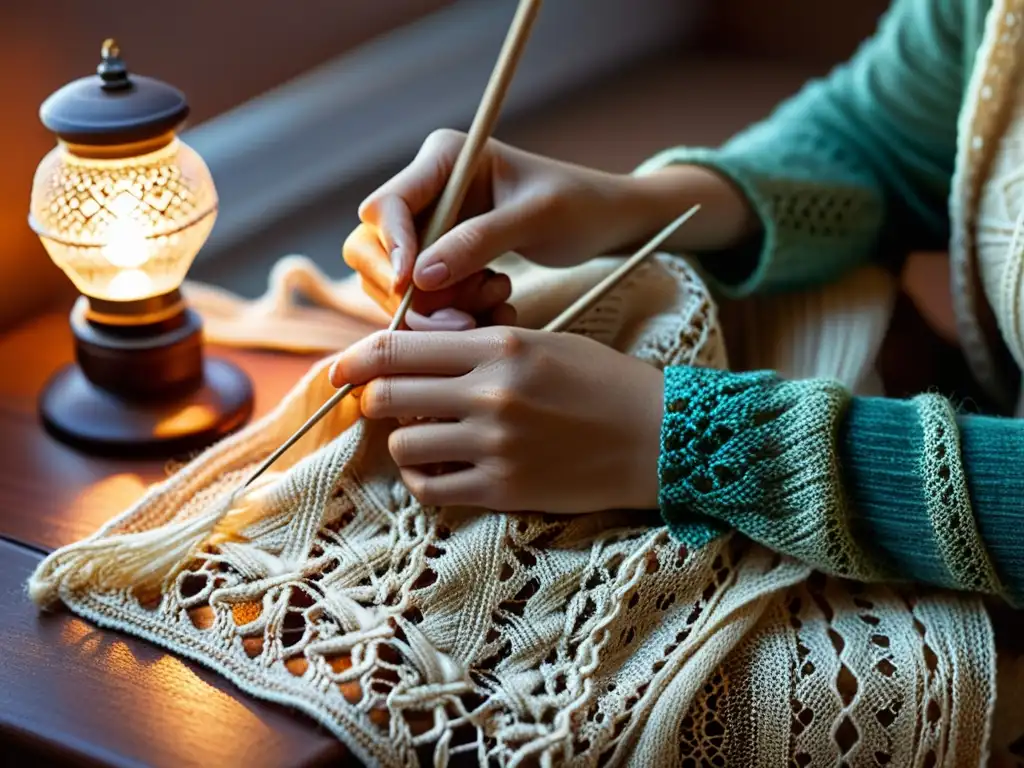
[(124, 228), (123, 206)]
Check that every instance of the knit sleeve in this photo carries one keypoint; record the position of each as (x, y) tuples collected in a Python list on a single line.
[(855, 166), (867, 488)]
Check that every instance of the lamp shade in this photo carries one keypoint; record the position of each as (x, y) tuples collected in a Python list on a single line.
[(124, 229), (121, 204)]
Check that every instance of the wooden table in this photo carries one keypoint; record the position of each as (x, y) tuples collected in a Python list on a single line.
[(71, 694)]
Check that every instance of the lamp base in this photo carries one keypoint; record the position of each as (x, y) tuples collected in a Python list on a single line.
[(89, 418)]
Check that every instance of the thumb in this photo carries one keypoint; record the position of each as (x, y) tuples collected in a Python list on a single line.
[(469, 248)]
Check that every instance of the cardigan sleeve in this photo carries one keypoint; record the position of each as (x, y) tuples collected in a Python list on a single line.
[(866, 488), (855, 166)]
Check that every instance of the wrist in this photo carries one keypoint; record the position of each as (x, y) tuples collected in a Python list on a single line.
[(642, 453), (726, 219)]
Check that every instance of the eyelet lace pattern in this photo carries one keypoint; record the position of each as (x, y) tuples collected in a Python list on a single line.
[(419, 636)]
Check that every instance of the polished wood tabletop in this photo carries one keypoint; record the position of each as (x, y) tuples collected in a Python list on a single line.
[(74, 694)]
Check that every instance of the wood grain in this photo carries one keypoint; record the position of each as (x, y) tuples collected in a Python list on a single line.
[(52, 495), (74, 694), (82, 695)]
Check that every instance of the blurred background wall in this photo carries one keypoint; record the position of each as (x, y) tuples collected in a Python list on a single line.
[(813, 33), (711, 67)]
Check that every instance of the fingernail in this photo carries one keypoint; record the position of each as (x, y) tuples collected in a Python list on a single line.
[(434, 276), (442, 320), (453, 319), (332, 374)]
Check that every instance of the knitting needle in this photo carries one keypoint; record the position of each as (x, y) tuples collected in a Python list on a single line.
[(560, 323), (591, 297), (448, 206)]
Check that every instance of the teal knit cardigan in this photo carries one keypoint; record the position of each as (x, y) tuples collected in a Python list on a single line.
[(856, 166)]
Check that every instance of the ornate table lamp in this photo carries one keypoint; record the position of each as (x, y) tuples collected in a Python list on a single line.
[(122, 205)]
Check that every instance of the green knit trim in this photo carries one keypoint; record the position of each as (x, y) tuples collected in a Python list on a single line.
[(948, 500), (814, 227), (759, 454)]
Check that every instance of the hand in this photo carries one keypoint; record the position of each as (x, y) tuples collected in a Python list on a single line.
[(550, 212), (535, 421)]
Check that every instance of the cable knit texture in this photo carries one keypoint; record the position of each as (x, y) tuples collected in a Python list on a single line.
[(593, 640)]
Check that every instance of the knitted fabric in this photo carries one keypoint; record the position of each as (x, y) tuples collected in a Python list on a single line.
[(736, 448), (518, 639), (857, 165), (989, 254), (810, 471), (873, 161)]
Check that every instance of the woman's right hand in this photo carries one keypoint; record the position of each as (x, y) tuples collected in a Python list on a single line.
[(550, 212)]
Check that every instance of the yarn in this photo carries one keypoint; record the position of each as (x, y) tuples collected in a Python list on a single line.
[(985, 206), (523, 639)]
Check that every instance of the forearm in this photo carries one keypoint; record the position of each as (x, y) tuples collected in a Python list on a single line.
[(866, 488), (726, 219), (799, 217), (855, 167)]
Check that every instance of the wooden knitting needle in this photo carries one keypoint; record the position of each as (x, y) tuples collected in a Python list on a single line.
[(448, 206), (560, 323), (591, 297)]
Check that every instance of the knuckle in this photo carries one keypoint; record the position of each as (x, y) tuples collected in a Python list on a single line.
[(421, 488), (504, 167), (467, 240), (383, 350), (377, 398), (367, 210), (398, 447), (348, 248), (360, 242), (543, 363), (499, 400), (549, 199), (501, 485), (508, 342), (443, 138), (499, 442)]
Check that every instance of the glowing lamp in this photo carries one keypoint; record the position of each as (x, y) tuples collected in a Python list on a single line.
[(122, 206)]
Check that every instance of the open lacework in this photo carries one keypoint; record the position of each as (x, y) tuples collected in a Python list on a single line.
[(421, 635)]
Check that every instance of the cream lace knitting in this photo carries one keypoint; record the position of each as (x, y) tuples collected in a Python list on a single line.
[(419, 634), (986, 249)]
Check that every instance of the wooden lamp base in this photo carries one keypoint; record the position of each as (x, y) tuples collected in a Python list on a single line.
[(144, 390)]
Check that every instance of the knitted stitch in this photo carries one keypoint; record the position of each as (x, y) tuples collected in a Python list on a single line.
[(913, 144), (759, 455), (865, 488), (525, 639), (837, 672), (857, 166)]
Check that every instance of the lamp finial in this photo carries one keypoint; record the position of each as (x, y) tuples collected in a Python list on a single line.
[(112, 69), (110, 49)]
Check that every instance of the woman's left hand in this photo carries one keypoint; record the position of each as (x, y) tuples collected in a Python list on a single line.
[(533, 421)]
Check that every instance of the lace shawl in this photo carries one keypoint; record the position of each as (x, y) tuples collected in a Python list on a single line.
[(419, 634)]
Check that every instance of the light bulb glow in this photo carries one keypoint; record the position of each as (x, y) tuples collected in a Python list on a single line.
[(127, 228), (126, 246), (129, 285)]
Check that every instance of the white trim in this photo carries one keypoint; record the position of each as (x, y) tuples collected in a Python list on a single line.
[(354, 115)]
